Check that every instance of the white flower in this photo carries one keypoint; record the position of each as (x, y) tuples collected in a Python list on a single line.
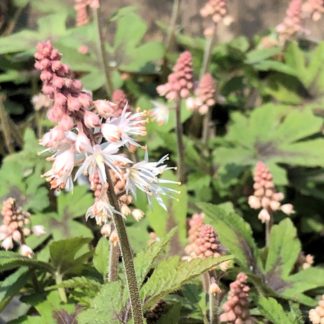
[(137, 214), (160, 112), (39, 230), (254, 202), (59, 175), (101, 210), (288, 209), (264, 216), (106, 230), (26, 251), (124, 127), (7, 243), (100, 156), (144, 176)]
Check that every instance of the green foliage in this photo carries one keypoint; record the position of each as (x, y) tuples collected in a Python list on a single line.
[(235, 234), (274, 312), (67, 256), (283, 249), (101, 256), (170, 274), (11, 285), (104, 312)]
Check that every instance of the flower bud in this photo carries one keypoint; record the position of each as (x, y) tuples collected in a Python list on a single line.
[(39, 230), (137, 214), (26, 251)]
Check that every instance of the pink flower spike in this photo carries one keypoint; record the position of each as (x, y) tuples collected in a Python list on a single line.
[(180, 81)]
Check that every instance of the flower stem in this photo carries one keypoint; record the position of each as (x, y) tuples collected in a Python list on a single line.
[(213, 299), (61, 290), (173, 21), (127, 256), (103, 53), (204, 69), (113, 262), (268, 226), (181, 164)]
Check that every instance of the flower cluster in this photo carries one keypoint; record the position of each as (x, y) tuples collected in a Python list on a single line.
[(16, 227), (180, 81), (236, 308), (81, 10), (94, 136), (205, 95), (292, 23), (314, 9), (316, 315), (203, 241), (217, 11), (265, 196)]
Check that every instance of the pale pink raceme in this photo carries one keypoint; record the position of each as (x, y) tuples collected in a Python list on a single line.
[(217, 11), (92, 135), (292, 23), (236, 308), (265, 196), (180, 81), (69, 100), (314, 9), (205, 95), (316, 315), (16, 227)]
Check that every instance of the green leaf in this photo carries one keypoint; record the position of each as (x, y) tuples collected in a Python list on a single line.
[(145, 260), (11, 260), (101, 256), (172, 316), (104, 312), (65, 254), (78, 282), (12, 284), (274, 312), (170, 274), (284, 248), (235, 234), (281, 139), (74, 204)]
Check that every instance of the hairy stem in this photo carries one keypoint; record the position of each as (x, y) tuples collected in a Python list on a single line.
[(213, 299), (61, 290), (127, 256), (204, 69), (113, 262), (181, 163), (103, 53)]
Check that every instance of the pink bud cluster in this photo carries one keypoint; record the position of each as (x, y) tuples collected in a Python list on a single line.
[(217, 10), (236, 308), (180, 81), (70, 102), (265, 196), (205, 95), (292, 23), (16, 227), (81, 10), (314, 9), (316, 315), (203, 241)]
